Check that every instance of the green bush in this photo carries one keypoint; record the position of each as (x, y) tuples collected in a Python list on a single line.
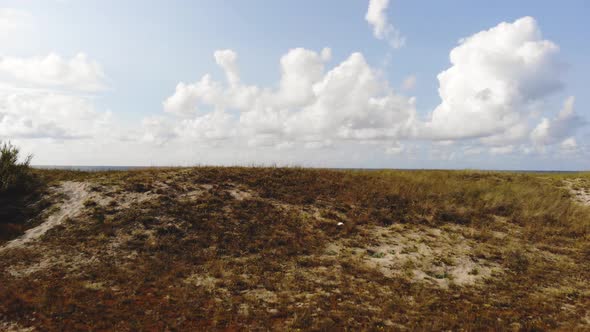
[(15, 175)]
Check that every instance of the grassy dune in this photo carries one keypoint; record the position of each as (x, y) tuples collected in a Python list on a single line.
[(290, 248)]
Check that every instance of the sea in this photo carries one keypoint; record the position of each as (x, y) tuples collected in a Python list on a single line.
[(128, 168)]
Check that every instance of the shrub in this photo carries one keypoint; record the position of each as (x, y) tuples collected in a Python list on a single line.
[(14, 175)]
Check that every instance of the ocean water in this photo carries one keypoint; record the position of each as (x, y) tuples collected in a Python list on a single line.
[(127, 168), (91, 168)]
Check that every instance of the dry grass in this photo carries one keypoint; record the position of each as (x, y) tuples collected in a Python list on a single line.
[(19, 191), (287, 249)]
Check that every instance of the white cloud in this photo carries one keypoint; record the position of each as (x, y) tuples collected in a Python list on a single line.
[(300, 69), (496, 87), (311, 106), (551, 131), (351, 102), (156, 130), (77, 73), (516, 134), (493, 96), (49, 115), (227, 59), (40, 96), (495, 76), (213, 126), (377, 17), (569, 144)]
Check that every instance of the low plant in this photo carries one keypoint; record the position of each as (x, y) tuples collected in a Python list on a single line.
[(15, 175), (19, 189)]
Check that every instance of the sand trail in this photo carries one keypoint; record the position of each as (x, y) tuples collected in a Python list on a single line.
[(581, 194), (76, 194)]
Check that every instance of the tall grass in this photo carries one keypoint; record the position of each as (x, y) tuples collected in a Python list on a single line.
[(19, 190), (15, 175)]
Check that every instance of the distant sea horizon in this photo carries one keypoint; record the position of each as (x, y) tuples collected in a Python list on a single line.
[(103, 168)]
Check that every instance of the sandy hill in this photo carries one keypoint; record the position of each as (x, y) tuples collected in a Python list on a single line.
[(300, 249)]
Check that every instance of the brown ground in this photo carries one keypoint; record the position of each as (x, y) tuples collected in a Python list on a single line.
[(288, 249)]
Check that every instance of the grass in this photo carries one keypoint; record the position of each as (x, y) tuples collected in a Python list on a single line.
[(225, 248), (19, 190)]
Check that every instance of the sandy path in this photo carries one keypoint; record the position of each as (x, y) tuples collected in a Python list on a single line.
[(581, 195), (76, 192)]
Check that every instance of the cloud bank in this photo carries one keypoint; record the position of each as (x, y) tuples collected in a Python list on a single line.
[(495, 98), (310, 105), (78, 73), (40, 96), (498, 82)]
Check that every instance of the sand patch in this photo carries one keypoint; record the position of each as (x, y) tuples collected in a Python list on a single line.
[(76, 192), (14, 327), (581, 194), (72, 263), (435, 256), (261, 294), (240, 195)]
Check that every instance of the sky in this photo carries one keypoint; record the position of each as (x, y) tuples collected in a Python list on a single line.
[(356, 83)]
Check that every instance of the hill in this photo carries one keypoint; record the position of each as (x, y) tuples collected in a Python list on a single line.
[(214, 248)]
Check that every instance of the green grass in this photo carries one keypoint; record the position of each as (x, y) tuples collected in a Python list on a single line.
[(19, 190)]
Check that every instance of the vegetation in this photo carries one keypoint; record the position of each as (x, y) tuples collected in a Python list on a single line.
[(288, 248), (15, 176), (19, 190)]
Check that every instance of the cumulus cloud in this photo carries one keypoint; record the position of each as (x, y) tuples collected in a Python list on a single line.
[(569, 144), (499, 82), (41, 96), (78, 72), (496, 75), (552, 131), (377, 17), (310, 105), (493, 99), (227, 59), (34, 105), (49, 115)]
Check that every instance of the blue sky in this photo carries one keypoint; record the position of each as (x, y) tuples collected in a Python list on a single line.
[(143, 49)]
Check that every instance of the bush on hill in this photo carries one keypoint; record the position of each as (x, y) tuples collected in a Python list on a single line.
[(15, 175), (19, 190)]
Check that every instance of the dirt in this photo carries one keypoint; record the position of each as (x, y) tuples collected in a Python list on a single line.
[(14, 327), (134, 256), (439, 257), (76, 194), (581, 194)]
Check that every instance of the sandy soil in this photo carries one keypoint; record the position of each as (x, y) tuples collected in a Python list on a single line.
[(581, 194), (435, 256), (77, 193)]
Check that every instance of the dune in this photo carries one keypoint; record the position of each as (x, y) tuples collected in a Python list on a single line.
[(291, 248)]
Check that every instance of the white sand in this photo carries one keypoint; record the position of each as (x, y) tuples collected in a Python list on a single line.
[(76, 192)]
